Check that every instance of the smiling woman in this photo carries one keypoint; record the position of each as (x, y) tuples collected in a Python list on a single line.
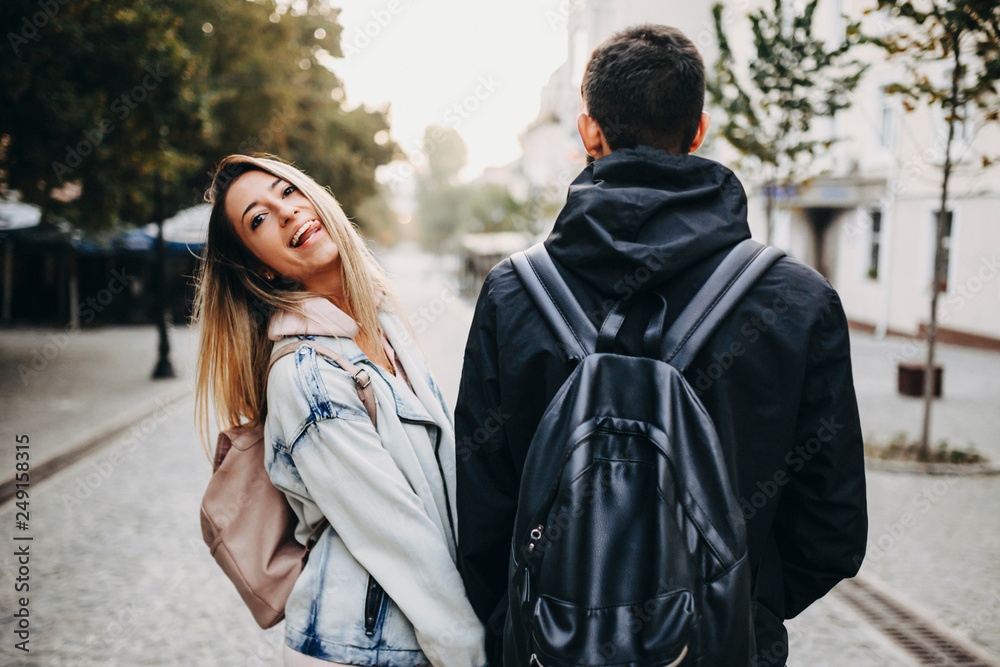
[(285, 268)]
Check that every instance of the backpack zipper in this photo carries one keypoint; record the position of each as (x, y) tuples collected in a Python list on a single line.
[(373, 603)]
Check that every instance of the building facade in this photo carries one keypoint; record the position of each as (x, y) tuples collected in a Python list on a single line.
[(866, 217)]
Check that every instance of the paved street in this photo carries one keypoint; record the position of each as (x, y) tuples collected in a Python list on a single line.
[(119, 574)]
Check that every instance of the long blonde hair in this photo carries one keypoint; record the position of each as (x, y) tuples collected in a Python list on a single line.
[(234, 304)]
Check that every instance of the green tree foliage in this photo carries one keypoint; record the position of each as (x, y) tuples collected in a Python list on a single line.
[(964, 36), (446, 154), (107, 94), (793, 78), (446, 210)]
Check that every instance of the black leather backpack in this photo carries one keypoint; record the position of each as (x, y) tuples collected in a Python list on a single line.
[(629, 548)]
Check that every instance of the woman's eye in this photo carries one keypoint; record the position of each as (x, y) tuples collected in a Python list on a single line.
[(289, 190), (256, 220)]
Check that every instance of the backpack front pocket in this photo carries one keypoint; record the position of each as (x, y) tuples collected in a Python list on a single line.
[(652, 632)]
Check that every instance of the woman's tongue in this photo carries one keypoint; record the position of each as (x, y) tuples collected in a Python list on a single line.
[(311, 228)]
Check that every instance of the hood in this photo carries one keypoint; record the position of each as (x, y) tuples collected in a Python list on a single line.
[(322, 319), (645, 215)]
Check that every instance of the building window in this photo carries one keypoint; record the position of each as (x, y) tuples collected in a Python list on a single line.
[(875, 242), (889, 121), (945, 248)]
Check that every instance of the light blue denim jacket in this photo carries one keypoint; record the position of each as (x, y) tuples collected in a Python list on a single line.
[(381, 586)]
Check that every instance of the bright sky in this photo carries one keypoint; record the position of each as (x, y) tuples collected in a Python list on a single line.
[(476, 66)]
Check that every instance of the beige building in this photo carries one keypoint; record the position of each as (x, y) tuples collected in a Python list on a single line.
[(868, 216)]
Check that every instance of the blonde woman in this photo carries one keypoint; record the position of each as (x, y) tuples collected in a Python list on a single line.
[(283, 263)]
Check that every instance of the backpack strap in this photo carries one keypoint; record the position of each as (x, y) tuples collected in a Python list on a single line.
[(727, 285), (361, 378), (556, 302), (363, 383)]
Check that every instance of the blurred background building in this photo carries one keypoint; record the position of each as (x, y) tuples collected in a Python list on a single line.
[(867, 221)]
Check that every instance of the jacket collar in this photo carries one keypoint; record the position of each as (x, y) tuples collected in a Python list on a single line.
[(323, 318)]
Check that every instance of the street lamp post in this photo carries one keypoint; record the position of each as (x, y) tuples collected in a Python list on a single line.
[(164, 369)]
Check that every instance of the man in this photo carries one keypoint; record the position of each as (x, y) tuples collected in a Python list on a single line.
[(775, 377)]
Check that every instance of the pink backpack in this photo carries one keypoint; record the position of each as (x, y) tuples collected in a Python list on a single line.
[(247, 522)]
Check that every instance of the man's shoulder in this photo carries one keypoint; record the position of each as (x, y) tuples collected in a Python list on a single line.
[(501, 282)]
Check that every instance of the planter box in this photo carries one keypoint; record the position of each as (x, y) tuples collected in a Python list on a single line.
[(910, 380)]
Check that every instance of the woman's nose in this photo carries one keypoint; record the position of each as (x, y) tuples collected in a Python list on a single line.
[(287, 213)]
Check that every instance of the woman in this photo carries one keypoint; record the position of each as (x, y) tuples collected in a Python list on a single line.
[(283, 261)]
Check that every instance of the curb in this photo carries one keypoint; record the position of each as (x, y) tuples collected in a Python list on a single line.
[(918, 468), (93, 441)]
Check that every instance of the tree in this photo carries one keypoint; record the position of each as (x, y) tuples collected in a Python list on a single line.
[(794, 79), (133, 102), (441, 205), (111, 95), (964, 35), (447, 209)]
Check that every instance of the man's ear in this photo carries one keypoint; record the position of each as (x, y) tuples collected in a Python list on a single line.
[(702, 132), (594, 141)]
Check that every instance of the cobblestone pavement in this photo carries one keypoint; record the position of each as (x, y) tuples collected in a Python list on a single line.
[(934, 540), (119, 574)]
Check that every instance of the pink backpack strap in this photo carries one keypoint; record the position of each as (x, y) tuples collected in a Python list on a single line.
[(361, 378)]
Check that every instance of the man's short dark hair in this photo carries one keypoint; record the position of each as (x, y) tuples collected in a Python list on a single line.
[(646, 86)]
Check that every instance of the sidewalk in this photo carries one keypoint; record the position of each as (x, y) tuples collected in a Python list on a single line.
[(60, 386), (120, 575)]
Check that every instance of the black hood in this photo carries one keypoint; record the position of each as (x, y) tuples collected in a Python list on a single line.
[(646, 215)]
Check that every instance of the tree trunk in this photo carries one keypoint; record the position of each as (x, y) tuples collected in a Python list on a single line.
[(942, 217)]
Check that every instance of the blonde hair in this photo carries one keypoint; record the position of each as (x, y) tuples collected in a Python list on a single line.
[(234, 304)]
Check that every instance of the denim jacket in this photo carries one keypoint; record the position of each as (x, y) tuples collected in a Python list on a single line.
[(381, 586)]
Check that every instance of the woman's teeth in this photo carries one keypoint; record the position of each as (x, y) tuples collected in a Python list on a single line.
[(301, 232)]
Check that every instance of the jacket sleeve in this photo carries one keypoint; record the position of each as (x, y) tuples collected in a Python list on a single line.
[(486, 479), (821, 525), (383, 523)]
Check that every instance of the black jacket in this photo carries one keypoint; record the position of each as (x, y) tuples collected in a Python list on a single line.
[(775, 378)]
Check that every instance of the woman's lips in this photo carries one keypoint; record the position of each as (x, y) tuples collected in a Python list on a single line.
[(304, 233)]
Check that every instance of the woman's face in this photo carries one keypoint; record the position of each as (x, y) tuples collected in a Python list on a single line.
[(278, 224)]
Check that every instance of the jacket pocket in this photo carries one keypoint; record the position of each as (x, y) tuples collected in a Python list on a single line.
[(373, 605)]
